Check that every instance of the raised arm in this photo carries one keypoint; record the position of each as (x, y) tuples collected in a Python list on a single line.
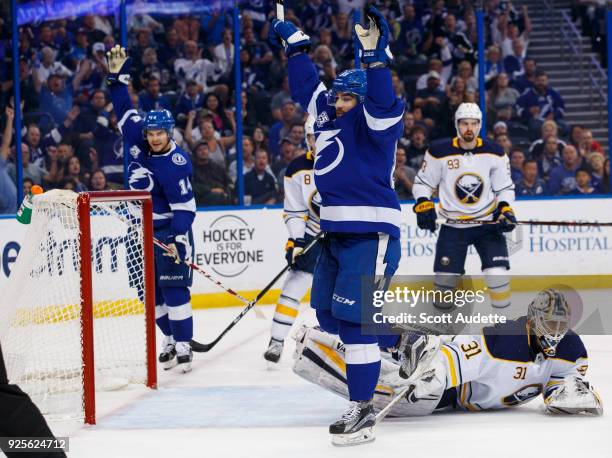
[(7, 135)]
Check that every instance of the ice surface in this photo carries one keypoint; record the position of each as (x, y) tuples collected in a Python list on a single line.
[(231, 405)]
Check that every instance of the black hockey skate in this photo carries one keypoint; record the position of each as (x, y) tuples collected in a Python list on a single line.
[(184, 356), (356, 426), (167, 358), (274, 351)]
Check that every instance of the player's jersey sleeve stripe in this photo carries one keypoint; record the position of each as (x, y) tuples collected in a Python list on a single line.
[(422, 181), (362, 213), (125, 117), (189, 206), (312, 105), (452, 371), (380, 123)]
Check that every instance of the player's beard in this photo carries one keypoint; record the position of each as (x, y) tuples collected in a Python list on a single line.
[(468, 136)]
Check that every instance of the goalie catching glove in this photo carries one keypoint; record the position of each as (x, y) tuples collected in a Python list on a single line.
[(426, 214), (287, 35), (178, 245), (504, 215), (293, 251), (374, 41), (118, 65), (572, 397)]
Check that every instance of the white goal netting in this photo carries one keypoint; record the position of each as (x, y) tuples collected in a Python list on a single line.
[(40, 308)]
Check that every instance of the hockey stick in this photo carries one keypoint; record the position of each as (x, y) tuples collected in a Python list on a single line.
[(198, 269), (280, 10), (385, 411), (203, 348), (527, 223)]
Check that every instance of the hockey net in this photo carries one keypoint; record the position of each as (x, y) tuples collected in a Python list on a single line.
[(77, 314)]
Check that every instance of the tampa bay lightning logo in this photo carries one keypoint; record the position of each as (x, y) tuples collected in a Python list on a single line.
[(328, 157), (141, 178), (468, 188), (523, 395)]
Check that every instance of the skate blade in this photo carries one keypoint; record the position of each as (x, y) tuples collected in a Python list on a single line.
[(169, 364), (362, 436)]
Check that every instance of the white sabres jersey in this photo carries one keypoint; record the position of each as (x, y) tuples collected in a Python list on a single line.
[(499, 368), (302, 200), (470, 184)]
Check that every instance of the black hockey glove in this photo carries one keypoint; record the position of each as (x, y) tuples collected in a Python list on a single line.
[(504, 215), (293, 250), (426, 214)]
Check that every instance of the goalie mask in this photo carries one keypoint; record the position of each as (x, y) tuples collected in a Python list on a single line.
[(468, 111), (549, 317)]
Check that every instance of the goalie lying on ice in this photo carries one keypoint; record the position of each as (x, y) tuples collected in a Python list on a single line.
[(507, 365)]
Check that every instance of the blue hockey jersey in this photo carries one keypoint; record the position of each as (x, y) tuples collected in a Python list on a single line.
[(166, 176), (355, 153)]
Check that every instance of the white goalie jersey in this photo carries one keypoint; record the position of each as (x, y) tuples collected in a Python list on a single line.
[(470, 184), (302, 201), (500, 368)]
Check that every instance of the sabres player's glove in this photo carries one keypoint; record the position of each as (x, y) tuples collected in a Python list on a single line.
[(504, 215), (118, 66), (293, 250), (426, 214), (287, 35), (178, 246), (374, 41)]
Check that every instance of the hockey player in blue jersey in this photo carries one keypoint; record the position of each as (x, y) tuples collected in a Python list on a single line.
[(357, 126), (158, 165)]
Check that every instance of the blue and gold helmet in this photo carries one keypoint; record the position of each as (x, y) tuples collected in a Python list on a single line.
[(159, 120), (352, 81)]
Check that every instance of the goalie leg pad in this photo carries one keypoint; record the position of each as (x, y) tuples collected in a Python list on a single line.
[(498, 283), (295, 287), (443, 282)]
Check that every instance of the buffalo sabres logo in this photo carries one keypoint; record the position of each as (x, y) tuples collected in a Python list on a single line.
[(468, 188), (523, 395), (323, 160), (141, 178)]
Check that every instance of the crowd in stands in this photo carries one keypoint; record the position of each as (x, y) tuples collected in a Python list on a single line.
[(185, 64)]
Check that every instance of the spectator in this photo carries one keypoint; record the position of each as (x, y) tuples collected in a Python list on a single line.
[(342, 38), (8, 190), (171, 50), (493, 65), (56, 98), (526, 80), (281, 128), (550, 157), (87, 119), (27, 186), (287, 149), (504, 141), (418, 147), (430, 100), (79, 49), (259, 183), (587, 144), (74, 173), (513, 63), (325, 63), (217, 145), (248, 159), (460, 46), (46, 67), (97, 181), (409, 42), (152, 98), (443, 71), (150, 67), (191, 100), (408, 125), (222, 119), (596, 163), (583, 183), (281, 96), (517, 159), (541, 103), (193, 67), (575, 136), (254, 81), (549, 128), (510, 32), (530, 184), (260, 138), (605, 183), (260, 53), (32, 139), (223, 56), (210, 180), (297, 135), (32, 170), (502, 98), (465, 71), (562, 178), (500, 127), (403, 175), (52, 164), (107, 154), (316, 14)]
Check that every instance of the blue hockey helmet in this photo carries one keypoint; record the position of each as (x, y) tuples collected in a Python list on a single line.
[(159, 120), (352, 81)]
